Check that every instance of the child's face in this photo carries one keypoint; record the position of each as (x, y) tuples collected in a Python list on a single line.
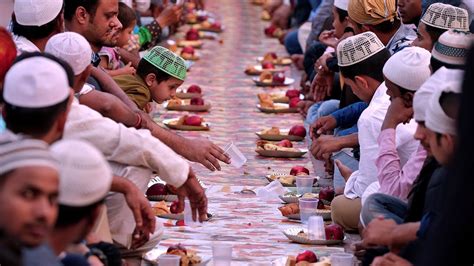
[(164, 90), (423, 38), (125, 35), (337, 24)]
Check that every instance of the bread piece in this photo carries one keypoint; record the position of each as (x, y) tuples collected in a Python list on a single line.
[(175, 102), (265, 100), (184, 257), (160, 208), (266, 77), (287, 179), (271, 131), (289, 209)]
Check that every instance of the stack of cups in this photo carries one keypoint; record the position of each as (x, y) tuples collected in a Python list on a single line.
[(304, 184), (221, 254), (307, 208), (237, 159), (316, 228)]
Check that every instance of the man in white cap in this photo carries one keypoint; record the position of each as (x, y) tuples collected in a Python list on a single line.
[(134, 154), (29, 183), (34, 22), (362, 71), (451, 50), (441, 114), (85, 180)]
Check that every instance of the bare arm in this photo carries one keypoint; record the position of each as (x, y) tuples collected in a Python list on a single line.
[(129, 57)]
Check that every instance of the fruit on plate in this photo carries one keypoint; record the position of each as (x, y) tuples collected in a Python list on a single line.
[(192, 35), (297, 130), (216, 25), (294, 102), (266, 77), (201, 18), (188, 50), (279, 78), (271, 131), (292, 93), (334, 232), (194, 89), (270, 30), (174, 207), (285, 143), (269, 146), (160, 208), (289, 209), (327, 194), (188, 257), (177, 247), (299, 170), (265, 100), (307, 256), (157, 190), (271, 56), (197, 101), (180, 223), (267, 65), (193, 120)]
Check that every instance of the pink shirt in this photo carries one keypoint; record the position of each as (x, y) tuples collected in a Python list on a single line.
[(395, 180)]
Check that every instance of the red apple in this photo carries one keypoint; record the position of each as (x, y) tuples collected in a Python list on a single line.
[(193, 120), (157, 190), (201, 18), (327, 193), (197, 101), (267, 65), (294, 102), (194, 89), (273, 55), (177, 247), (307, 256), (192, 35), (334, 232), (292, 93), (7, 52), (320, 205), (216, 25), (299, 170), (174, 207), (188, 50), (297, 130), (285, 143), (180, 223), (279, 78), (269, 30)]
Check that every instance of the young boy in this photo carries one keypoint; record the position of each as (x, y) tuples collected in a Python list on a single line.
[(159, 73)]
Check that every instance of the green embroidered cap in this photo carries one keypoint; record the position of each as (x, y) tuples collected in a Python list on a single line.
[(167, 61)]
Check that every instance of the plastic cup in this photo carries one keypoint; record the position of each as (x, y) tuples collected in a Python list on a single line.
[(169, 260), (188, 215), (316, 228), (304, 184), (237, 159), (272, 190), (342, 259), (307, 208), (221, 254)]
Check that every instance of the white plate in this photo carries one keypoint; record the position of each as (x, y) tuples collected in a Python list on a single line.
[(282, 154), (260, 69), (282, 108), (288, 81), (204, 126), (296, 216), (284, 135), (268, 177), (186, 106), (292, 234)]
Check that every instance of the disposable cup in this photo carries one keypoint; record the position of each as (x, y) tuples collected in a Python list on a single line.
[(316, 228), (221, 254), (308, 208), (304, 184), (169, 260), (342, 259), (237, 159)]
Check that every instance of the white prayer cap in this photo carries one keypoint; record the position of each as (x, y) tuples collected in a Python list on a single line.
[(17, 152), (452, 47), (72, 48), (444, 16), (358, 48), (35, 12), (423, 95), (36, 82), (341, 4), (409, 68), (85, 175)]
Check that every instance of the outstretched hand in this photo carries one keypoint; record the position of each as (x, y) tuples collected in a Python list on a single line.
[(196, 195), (206, 153)]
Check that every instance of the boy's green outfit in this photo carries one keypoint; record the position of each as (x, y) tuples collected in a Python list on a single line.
[(161, 58)]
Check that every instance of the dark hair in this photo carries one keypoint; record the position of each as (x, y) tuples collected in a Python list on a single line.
[(342, 14), (36, 32), (126, 15), (434, 32), (36, 121), (71, 6), (68, 215), (144, 68), (437, 64), (371, 66)]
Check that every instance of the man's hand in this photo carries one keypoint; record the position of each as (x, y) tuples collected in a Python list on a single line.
[(303, 107), (323, 125), (390, 259), (170, 15), (321, 62), (322, 85), (281, 16), (324, 145), (328, 38), (197, 198), (379, 232), (206, 153), (397, 113)]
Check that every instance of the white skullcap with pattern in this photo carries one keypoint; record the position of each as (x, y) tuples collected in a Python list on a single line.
[(444, 16), (358, 48)]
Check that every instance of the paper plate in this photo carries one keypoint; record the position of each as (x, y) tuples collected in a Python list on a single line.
[(292, 234), (169, 198), (195, 44), (280, 99), (280, 108), (185, 95), (151, 257), (289, 199), (288, 81), (284, 135), (204, 127), (260, 69), (268, 177), (275, 62), (296, 216), (211, 29), (282, 154), (188, 107)]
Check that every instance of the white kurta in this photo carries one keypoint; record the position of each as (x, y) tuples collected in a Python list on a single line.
[(370, 124), (23, 45)]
